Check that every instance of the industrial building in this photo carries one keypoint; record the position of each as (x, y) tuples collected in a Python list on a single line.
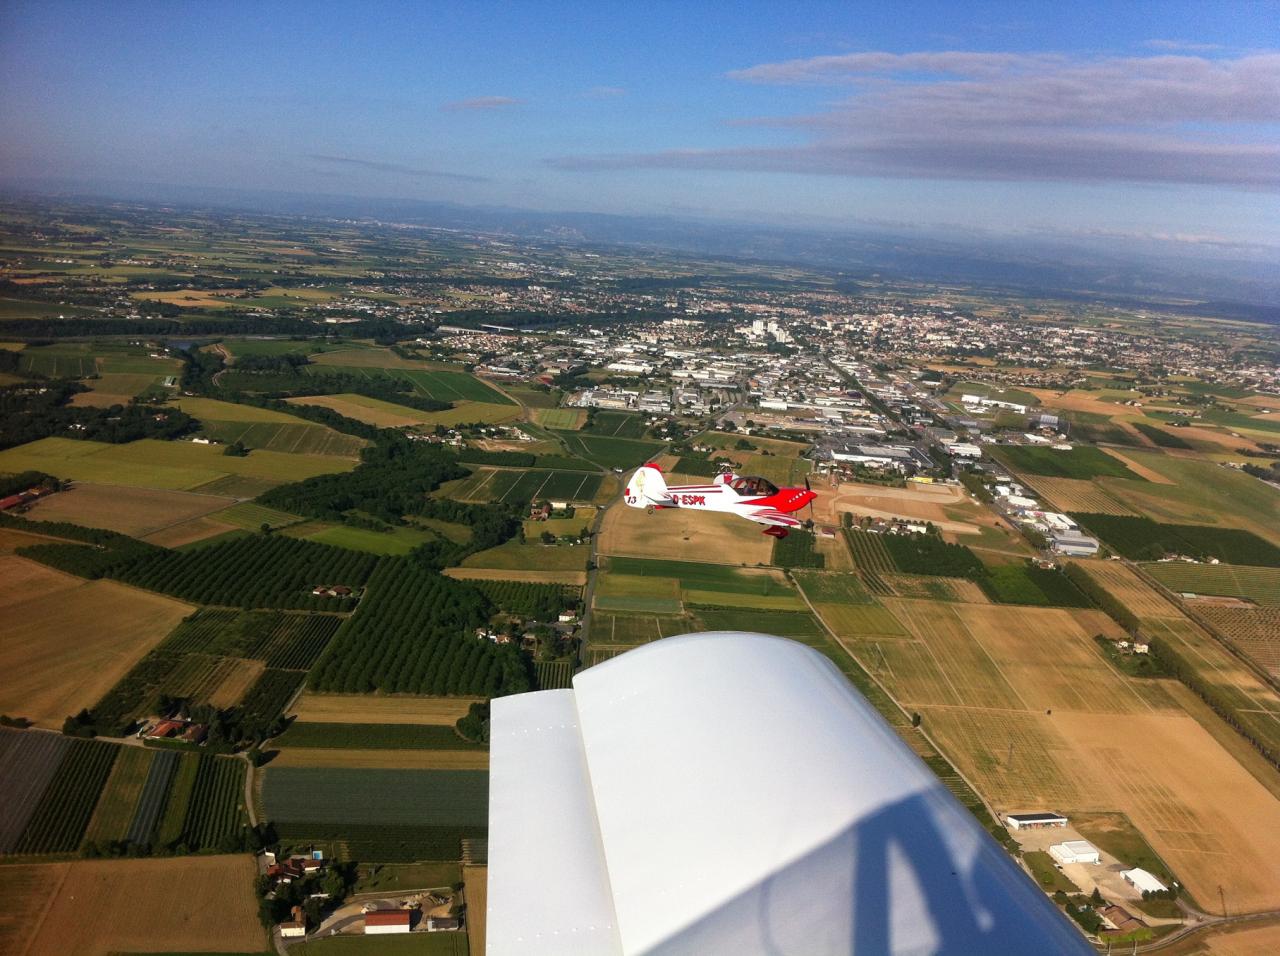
[(1143, 881), (732, 793), (1075, 851), (1075, 545), (1034, 821)]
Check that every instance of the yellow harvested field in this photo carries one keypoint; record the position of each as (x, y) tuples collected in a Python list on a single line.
[(186, 532), (112, 906), (1027, 706), (12, 539), (195, 298), (367, 358), (858, 620), (355, 709), (1249, 939), (24, 579), (1130, 589), (1077, 400), (371, 411), (1076, 494), (383, 759), (218, 411), (683, 535), (476, 879), (65, 644), (132, 511), (237, 681), (499, 574), (936, 588)]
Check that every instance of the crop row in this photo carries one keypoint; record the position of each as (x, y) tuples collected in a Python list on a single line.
[(214, 812), (151, 802), (1261, 585), (268, 697), (1141, 539), (254, 571), (797, 550), (28, 762), (414, 633), (299, 641), (869, 552), (282, 639), (60, 820)]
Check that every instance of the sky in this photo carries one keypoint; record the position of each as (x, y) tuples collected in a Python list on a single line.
[(1151, 120)]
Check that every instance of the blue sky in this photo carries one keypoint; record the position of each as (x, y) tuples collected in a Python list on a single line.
[(1149, 119)]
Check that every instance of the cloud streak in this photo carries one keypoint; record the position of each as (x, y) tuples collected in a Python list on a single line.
[(398, 169), (1006, 116), (481, 104)]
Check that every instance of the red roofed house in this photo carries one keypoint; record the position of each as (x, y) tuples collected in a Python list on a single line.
[(381, 922)]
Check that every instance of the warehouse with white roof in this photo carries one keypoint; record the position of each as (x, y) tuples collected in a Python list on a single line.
[(733, 793)]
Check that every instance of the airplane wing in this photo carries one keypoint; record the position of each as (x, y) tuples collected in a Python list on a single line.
[(773, 518)]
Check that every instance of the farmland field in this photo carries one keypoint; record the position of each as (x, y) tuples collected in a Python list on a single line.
[(47, 677), (1253, 630), (1021, 699), (381, 736), (523, 560), (153, 798), (28, 761), (63, 813), (95, 911), (398, 540), (607, 628), (522, 486), (364, 709), (26, 891), (1143, 539), (443, 385), (833, 588), (561, 419), (116, 810), (935, 588), (390, 415), (798, 625), (1124, 584), (382, 815), (216, 808), (1082, 461), (1077, 494), (132, 511), (683, 535), (610, 452), (615, 424), (553, 675), (147, 463), (1260, 585), (381, 759)]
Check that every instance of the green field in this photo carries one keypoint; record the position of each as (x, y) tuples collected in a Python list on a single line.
[(646, 595), (119, 799), (694, 576), (553, 675), (513, 486), (374, 737), (832, 587), (608, 628), (531, 556), (179, 466), (379, 815), (614, 424), (252, 517), (610, 452), (1141, 539), (798, 625), (1082, 461), (561, 419), (399, 540), (1260, 585), (442, 385)]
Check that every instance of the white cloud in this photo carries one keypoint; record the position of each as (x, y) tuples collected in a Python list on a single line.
[(482, 103)]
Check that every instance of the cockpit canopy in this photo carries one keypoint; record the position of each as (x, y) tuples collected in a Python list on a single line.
[(753, 487)]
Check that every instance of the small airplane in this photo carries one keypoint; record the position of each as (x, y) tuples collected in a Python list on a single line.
[(755, 499)]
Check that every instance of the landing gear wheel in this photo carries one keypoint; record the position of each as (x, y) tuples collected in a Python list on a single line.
[(648, 509)]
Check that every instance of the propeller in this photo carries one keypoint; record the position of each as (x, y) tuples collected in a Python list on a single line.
[(809, 489)]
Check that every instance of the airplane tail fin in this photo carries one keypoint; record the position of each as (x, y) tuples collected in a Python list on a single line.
[(647, 488)]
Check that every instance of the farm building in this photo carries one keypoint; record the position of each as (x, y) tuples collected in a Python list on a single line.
[(1075, 851), (1034, 821), (594, 791), (296, 927), (1143, 881), (385, 922)]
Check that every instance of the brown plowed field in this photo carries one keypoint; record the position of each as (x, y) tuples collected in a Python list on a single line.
[(132, 511), (203, 903)]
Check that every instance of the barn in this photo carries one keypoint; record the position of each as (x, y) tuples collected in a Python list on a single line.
[(385, 922), (1034, 821)]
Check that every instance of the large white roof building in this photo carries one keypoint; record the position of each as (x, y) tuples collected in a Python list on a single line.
[(732, 793)]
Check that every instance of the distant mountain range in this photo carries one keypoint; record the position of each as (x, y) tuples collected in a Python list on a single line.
[(1203, 278)]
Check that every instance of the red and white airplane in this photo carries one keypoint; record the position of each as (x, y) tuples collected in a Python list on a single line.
[(755, 499)]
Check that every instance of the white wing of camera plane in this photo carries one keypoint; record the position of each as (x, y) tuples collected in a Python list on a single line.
[(755, 499)]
